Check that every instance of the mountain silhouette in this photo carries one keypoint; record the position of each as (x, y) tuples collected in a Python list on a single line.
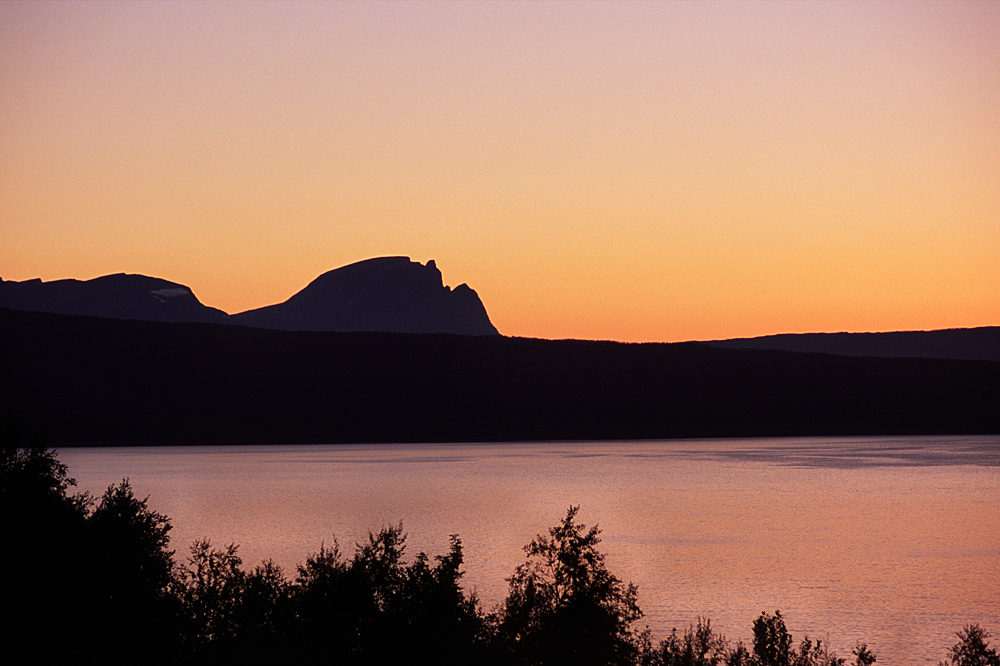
[(981, 344), (101, 381), (397, 295), (117, 296), (386, 294)]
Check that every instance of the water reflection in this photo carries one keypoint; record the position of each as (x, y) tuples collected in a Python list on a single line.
[(895, 541), (854, 453)]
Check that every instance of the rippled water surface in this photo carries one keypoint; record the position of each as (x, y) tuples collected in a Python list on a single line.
[(894, 541)]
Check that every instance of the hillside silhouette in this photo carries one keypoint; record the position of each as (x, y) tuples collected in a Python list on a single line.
[(956, 343), (104, 381)]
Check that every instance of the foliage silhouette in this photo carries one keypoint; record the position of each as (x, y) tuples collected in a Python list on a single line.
[(131, 572), (815, 654), (700, 645), (863, 656), (772, 644), (226, 612), (97, 581), (972, 649), (377, 607), (210, 587), (44, 556), (265, 613), (134, 542), (564, 606), (740, 656)]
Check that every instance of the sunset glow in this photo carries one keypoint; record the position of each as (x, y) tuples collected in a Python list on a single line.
[(625, 171)]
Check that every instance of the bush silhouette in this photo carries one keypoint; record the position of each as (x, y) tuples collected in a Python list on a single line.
[(96, 581), (131, 573), (564, 606), (699, 645), (972, 649), (44, 556), (772, 644), (863, 656), (210, 587), (376, 607)]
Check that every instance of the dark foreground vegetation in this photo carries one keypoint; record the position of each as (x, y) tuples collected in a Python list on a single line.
[(92, 580)]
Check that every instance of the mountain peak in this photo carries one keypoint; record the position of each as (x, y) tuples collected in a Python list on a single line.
[(117, 296), (388, 294)]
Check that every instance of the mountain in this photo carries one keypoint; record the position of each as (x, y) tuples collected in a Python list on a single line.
[(387, 294), (981, 344), (396, 295), (99, 381), (118, 296)]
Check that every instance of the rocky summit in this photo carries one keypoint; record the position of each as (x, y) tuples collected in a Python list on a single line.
[(388, 294)]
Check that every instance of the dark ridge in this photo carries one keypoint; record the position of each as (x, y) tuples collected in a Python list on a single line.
[(105, 381), (957, 343)]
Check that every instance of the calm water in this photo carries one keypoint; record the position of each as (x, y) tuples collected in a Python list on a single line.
[(895, 541)]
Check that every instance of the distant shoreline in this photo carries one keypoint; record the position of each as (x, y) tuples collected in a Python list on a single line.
[(90, 380)]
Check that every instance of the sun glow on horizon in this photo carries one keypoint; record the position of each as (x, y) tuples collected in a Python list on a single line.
[(634, 172)]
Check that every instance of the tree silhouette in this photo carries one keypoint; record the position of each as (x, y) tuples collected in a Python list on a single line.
[(376, 608), (98, 583), (972, 649), (131, 573), (133, 540), (44, 556), (772, 644), (564, 606), (210, 587), (321, 588), (264, 614), (442, 623)]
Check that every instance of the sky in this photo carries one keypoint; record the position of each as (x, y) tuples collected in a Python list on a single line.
[(640, 172)]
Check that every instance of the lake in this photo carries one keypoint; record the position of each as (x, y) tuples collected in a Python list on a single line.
[(893, 541)]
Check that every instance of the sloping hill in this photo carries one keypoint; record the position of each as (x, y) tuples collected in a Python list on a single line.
[(106, 381), (957, 343)]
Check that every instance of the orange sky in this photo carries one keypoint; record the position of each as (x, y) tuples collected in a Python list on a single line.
[(626, 171)]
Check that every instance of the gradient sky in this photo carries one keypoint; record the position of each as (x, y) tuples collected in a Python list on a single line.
[(625, 171)]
